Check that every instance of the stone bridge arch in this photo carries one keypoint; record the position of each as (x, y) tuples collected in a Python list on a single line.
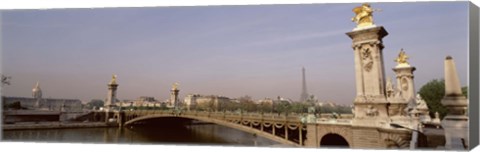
[(327, 131), (334, 140), (218, 122)]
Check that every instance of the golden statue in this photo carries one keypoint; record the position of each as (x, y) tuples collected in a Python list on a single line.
[(175, 86), (402, 58), (363, 15), (114, 79)]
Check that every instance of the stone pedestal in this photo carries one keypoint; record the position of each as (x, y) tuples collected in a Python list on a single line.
[(311, 136), (174, 98), (405, 83), (456, 133), (111, 98), (404, 95), (112, 93), (422, 108), (455, 123), (37, 94), (370, 101)]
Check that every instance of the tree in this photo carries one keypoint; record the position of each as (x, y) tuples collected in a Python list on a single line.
[(433, 93), (265, 106), (311, 100), (465, 91), (282, 106), (229, 106), (299, 107), (247, 104), (327, 108), (95, 103)]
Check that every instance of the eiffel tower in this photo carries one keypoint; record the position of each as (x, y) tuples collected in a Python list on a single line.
[(304, 95)]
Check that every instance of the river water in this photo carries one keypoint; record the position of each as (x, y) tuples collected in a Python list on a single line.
[(198, 134)]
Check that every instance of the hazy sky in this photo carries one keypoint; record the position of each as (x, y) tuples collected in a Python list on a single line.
[(223, 50)]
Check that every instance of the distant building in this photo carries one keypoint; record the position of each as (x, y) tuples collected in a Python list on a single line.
[(331, 104), (206, 102), (39, 103), (147, 99), (142, 101), (266, 101), (281, 99), (319, 104), (73, 105), (190, 101)]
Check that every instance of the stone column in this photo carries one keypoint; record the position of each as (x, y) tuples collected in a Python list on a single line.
[(405, 83), (311, 126), (112, 92), (404, 95), (174, 97), (121, 118), (455, 123), (311, 136), (370, 101), (37, 94)]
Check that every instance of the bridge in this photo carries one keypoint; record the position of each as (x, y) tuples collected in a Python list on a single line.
[(378, 107), (295, 130)]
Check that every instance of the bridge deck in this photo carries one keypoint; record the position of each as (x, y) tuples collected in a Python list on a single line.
[(285, 129)]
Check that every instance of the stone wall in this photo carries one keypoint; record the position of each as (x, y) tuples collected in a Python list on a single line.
[(71, 105)]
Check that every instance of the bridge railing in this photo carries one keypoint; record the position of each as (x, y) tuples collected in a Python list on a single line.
[(255, 116), (221, 115)]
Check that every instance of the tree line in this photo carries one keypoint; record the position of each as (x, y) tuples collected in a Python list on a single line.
[(245, 104)]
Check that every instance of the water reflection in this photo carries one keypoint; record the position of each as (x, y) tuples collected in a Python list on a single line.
[(201, 134)]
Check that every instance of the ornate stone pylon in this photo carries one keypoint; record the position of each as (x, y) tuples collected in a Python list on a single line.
[(370, 101), (404, 100), (371, 125), (404, 72), (174, 96), (112, 93), (455, 123), (37, 94)]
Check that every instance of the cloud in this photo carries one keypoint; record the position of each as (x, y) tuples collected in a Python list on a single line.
[(294, 38)]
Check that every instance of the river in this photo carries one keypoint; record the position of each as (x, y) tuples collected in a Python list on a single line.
[(197, 134)]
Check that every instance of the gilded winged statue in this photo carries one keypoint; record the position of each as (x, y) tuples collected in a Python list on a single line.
[(114, 79), (175, 86), (363, 15), (402, 57)]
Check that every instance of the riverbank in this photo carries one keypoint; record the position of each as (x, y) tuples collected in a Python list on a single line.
[(54, 125)]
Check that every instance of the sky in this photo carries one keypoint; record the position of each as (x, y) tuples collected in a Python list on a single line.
[(255, 50)]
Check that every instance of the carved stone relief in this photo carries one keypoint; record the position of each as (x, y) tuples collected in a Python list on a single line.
[(365, 99), (395, 141), (371, 111), (367, 59), (390, 88), (397, 110), (404, 84)]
